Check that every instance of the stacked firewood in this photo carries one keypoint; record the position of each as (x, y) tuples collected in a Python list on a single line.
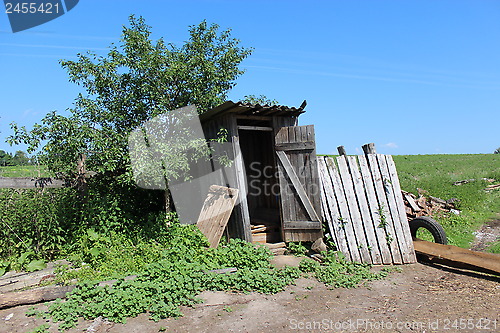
[(268, 234), (427, 205)]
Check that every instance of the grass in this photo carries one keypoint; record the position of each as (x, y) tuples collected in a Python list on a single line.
[(437, 173), (24, 171)]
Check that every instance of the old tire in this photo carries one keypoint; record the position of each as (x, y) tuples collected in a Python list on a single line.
[(431, 225)]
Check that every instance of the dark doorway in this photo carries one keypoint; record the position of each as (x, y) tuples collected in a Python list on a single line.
[(257, 148)]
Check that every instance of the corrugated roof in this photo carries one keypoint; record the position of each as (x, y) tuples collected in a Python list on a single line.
[(252, 109)]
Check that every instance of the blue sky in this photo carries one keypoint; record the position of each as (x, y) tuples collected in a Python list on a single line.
[(415, 77)]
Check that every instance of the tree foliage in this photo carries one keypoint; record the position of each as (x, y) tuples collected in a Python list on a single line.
[(134, 82), (261, 99), (19, 158)]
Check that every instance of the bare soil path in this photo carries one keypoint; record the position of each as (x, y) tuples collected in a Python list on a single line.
[(421, 298), (486, 235)]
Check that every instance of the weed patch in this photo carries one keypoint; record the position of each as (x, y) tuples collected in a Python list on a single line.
[(170, 274)]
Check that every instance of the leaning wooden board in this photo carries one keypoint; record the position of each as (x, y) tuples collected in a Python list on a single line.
[(216, 211), (364, 209)]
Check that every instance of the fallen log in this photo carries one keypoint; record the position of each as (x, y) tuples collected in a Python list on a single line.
[(19, 280), (454, 256), (43, 294), (34, 296)]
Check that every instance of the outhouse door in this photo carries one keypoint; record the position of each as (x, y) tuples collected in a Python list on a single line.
[(300, 197)]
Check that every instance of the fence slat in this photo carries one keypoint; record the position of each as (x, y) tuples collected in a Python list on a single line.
[(373, 208), (404, 235), (330, 208), (345, 218), (384, 208), (364, 209)]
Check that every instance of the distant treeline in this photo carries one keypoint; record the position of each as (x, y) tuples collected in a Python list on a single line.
[(18, 158)]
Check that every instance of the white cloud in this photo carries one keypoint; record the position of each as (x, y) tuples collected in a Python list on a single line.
[(391, 145)]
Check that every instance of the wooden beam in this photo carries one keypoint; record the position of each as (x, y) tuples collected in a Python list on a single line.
[(30, 182), (255, 128), (241, 210), (341, 150), (369, 148), (454, 256), (307, 145), (302, 225)]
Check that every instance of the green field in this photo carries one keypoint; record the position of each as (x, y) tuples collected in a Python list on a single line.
[(437, 173), (24, 171)]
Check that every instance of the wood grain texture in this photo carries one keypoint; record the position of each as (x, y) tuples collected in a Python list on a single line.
[(299, 183), (364, 209), (215, 213)]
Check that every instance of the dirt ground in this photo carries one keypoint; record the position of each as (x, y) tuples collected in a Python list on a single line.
[(486, 235), (421, 298)]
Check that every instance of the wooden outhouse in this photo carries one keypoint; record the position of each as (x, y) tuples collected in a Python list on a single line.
[(274, 168)]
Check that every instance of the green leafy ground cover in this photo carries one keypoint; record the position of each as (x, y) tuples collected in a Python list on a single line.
[(173, 270)]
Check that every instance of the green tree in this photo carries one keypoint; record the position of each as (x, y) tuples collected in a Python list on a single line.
[(5, 158), (261, 99), (20, 158), (134, 82)]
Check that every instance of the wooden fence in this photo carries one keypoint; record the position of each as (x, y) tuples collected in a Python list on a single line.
[(364, 209), (30, 182)]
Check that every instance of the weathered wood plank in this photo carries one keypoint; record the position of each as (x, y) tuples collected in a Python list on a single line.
[(405, 234), (302, 225), (344, 221), (311, 162), (373, 205), (369, 148), (412, 203), (356, 220), (386, 218), (399, 237), (299, 203), (303, 173), (243, 214), (281, 135), (216, 211), (457, 257), (298, 186), (330, 208), (255, 128), (295, 146), (341, 150), (366, 218), (30, 182), (295, 206)]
